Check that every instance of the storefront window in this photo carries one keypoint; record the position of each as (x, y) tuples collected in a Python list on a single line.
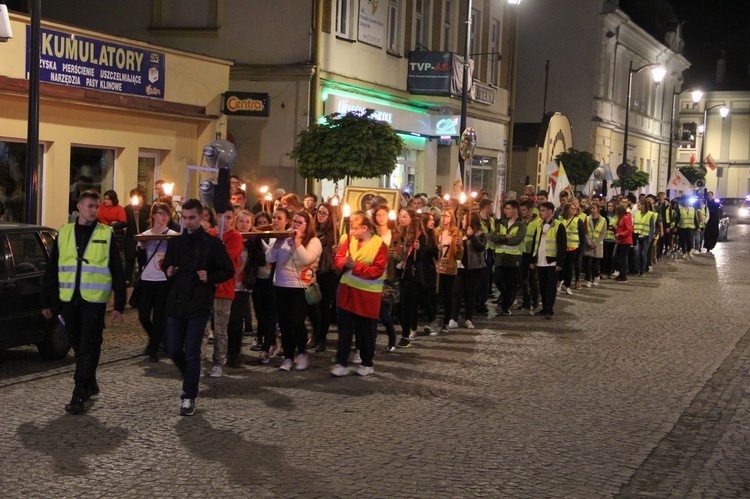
[(148, 163), (481, 174), (90, 169), (404, 176), (13, 181)]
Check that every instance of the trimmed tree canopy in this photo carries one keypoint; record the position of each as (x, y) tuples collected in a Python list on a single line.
[(579, 165), (350, 145), (693, 173), (634, 182)]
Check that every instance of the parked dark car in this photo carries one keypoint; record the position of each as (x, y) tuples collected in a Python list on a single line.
[(24, 254)]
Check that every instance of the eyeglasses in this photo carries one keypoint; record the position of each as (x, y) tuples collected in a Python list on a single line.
[(161, 213), (322, 213), (299, 222)]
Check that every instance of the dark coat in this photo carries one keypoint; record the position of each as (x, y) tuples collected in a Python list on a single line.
[(188, 253)]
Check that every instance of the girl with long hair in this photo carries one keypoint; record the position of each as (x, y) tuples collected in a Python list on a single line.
[(412, 273), (328, 278), (296, 259), (450, 251), (470, 270), (263, 297), (152, 301), (428, 298), (391, 237)]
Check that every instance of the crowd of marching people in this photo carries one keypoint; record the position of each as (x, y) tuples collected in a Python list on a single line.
[(424, 267)]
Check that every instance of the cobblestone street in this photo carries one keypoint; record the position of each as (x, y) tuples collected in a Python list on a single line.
[(634, 389)]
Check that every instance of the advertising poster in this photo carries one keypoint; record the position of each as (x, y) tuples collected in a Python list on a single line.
[(372, 18), (78, 61)]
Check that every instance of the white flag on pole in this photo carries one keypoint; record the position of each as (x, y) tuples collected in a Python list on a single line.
[(458, 184), (563, 184), (679, 182)]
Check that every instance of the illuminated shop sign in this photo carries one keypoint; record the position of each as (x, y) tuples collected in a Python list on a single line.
[(78, 61), (345, 107), (446, 126), (245, 104)]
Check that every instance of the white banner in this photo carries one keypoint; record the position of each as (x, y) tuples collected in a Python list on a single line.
[(372, 18)]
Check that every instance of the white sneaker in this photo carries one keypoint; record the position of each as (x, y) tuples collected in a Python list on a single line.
[(365, 370), (435, 332), (588, 284), (216, 372), (286, 365), (412, 336), (452, 324), (569, 291), (301, 362), (596, 281), (356, 359), (468, 324), (339, 370)]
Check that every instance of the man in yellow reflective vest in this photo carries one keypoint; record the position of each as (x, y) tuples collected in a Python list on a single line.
[(549, 245), (529, 281), (508, 239), (686, 227), (83, 270), (487, 221)]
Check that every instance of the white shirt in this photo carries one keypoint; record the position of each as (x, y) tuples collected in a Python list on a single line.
[(541, 255), (153, 270)]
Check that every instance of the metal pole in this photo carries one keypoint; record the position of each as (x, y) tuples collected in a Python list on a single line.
[(703, 139), (627, 115), (465, 86), (512, 97), (546, 81), (32, 134), (671, 137)]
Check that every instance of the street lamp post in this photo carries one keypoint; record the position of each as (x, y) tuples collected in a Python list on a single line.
[(724, 112), (697, 95), (658, 73), (465, 86)]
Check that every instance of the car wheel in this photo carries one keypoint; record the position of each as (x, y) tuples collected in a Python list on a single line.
[(56, 342)]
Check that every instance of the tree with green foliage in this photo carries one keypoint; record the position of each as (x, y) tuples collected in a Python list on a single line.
[(350, 145), (634, 182), (579, 165), (693, 173)]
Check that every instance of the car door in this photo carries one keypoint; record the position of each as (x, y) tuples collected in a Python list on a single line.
[(29, 256), (8, 298)]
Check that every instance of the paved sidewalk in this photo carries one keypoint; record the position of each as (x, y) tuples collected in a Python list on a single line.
[(633, 389)]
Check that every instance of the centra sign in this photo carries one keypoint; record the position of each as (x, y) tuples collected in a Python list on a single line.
[(245, 104)]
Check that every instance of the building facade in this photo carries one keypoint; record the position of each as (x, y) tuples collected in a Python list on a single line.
[(115, 113), (591, 48), (312, 58), (727, 139)]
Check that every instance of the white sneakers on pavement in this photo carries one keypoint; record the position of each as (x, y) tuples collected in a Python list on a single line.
[(468, 324), (286, 365), (301, 362), (365, 370), (216, 372), (452, 324), (339, 370)]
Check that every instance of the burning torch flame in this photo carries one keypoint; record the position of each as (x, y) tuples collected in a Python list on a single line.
[(392, 215), (168, 188), (134, 201), (347, 211)]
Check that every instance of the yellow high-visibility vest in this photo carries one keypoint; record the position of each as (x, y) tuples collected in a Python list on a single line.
[(366, 255), (687, 218), (96, 279)]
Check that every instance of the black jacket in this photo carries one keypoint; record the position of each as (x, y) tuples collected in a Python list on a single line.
[(188, 253)]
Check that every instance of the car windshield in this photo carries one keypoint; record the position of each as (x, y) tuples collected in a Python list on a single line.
[(732, 201)]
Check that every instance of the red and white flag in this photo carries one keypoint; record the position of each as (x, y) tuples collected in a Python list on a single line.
[(711, 162), (692, 159), (552, 170)]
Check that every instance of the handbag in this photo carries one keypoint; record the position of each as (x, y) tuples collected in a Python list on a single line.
[(135, 296), (391, 292), (313, 294)]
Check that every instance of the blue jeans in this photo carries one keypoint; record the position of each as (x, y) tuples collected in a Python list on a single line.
[(183, 340)]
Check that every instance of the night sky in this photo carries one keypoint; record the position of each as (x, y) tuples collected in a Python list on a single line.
[(710, 26)]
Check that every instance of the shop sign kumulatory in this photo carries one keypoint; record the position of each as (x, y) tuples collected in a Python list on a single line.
[(79, 61)]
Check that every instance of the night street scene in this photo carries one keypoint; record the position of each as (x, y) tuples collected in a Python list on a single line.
[(374, 248)]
